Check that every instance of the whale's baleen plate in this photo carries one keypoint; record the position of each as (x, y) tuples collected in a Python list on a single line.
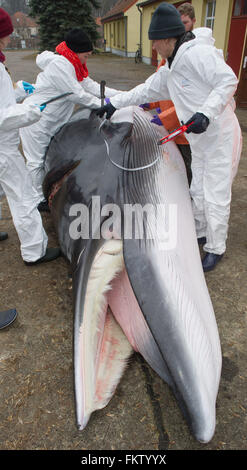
[(147, 291)]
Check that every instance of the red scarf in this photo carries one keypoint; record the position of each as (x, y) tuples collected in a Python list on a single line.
[(80, 69)]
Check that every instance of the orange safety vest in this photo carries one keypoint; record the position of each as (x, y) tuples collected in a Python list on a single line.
[(168, 115)]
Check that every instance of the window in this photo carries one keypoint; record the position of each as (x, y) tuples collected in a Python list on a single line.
[(210, 14), (114, 35), (237, 8), (240, 8), (122, 35), (118, 34)]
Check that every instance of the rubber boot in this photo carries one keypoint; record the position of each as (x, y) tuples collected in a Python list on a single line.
[(201, 241), (7, 317), (50, 255), (210, 260), (3, 236)]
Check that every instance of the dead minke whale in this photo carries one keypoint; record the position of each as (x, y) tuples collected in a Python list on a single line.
[(138, 282)]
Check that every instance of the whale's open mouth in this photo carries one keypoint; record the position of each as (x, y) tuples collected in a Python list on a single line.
[(111, 315)]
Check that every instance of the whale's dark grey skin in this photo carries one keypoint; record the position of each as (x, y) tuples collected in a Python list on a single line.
[(135, 287)]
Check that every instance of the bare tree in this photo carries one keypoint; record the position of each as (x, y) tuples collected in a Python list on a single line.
[(12, 6), (105, 6)]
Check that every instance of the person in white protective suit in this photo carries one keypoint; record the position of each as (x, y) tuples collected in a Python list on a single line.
[(63, 72), (201, 86), (14, 177)]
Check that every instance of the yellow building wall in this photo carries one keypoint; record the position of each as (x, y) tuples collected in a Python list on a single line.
[(107, 34), (223, 14), (114, 32), (133, 29), (146, 19), (222, 22), (199, 7)]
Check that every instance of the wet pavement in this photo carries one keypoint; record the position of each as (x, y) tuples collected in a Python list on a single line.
[(36, 369)]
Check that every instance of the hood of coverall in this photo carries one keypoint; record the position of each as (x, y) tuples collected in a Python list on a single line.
[(205, 35), (44, 59)]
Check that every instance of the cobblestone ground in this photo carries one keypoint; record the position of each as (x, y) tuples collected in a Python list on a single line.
[(36, 375)]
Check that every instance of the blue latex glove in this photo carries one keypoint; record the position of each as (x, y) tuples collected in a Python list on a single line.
[(28, 88), (41, 107), (200, 124), (107, 100), (156, 120), (144, 106)]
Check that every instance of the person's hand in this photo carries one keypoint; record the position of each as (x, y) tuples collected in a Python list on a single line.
[(156, 120), (28, 88), (144, 106), (200, 123), (107, 100), (108, 109)]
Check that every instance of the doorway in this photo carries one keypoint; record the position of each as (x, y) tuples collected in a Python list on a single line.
[(241, 98), (236, 53)]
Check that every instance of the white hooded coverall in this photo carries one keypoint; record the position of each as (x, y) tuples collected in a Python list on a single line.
[(58, 77), (199, 80), (14, 177)]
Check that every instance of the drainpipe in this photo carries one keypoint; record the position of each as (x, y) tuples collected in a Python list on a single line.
[(140, 11)]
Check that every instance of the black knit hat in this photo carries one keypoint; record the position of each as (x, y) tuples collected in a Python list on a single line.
[(78, 41), (166, 23)]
